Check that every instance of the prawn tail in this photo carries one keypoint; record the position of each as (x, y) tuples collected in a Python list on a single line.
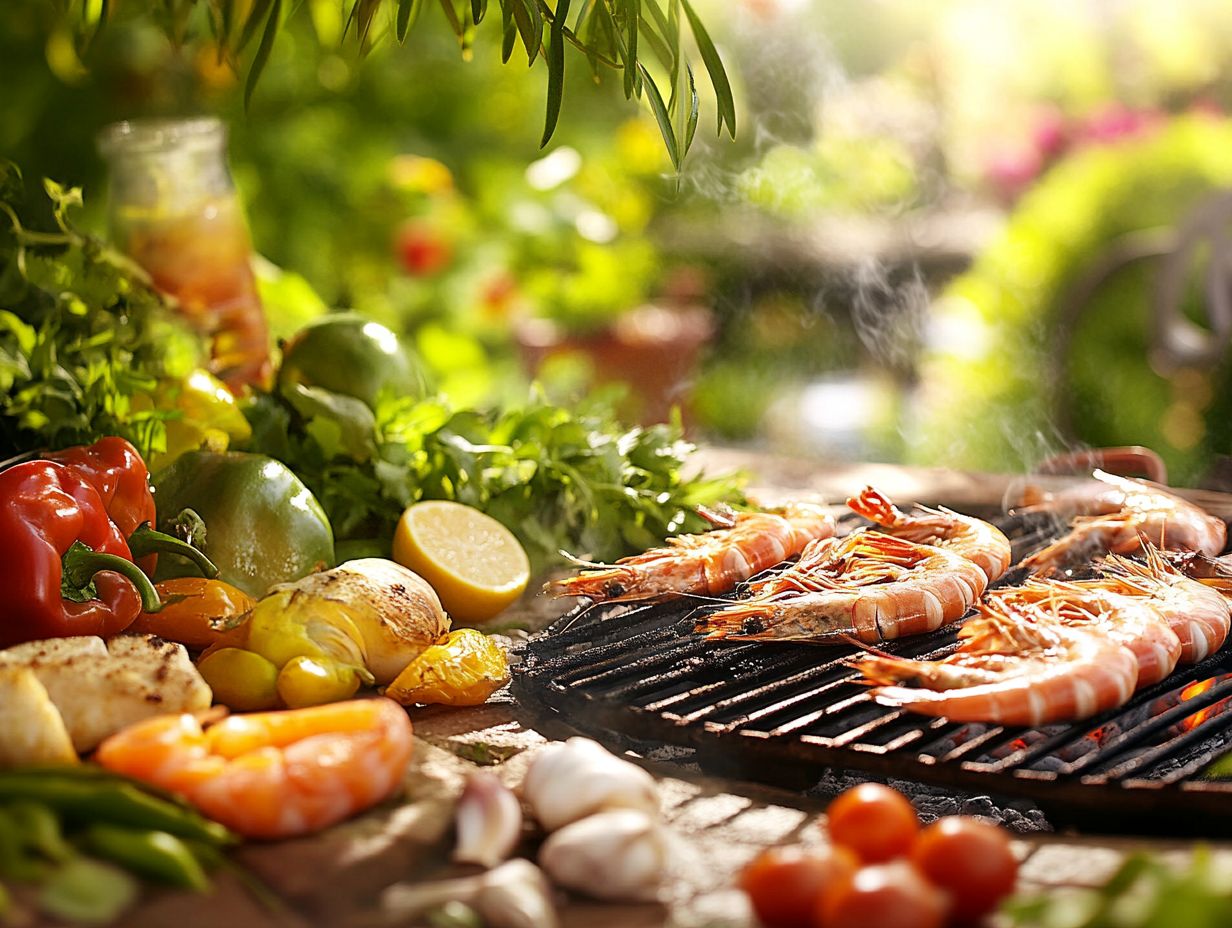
[(876, 507)]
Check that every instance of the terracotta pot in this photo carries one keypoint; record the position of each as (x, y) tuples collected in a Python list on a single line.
[(652, 350)]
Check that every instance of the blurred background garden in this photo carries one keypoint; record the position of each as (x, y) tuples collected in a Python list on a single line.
[(947, 232)]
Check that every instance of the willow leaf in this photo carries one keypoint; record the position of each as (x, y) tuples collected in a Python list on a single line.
[(633, 13), (451, 14), (256, 16), (263, 50), (556, 70), (726, 104), (683, 108), (367, 12), (530, 26), (666, 47), (661, 115), (408, 12), (509, 36), (650, 35), (479, 9)]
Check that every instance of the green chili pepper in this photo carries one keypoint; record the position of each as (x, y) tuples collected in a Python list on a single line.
[(39, 829), (108, 798), (88, 891), (154, 854), (15, 864)]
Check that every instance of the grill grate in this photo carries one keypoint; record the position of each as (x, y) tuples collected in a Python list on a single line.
[(785, 713)]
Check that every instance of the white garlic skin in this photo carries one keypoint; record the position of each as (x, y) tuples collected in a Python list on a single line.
[(488, 821), (569, 781), (618, 855), (516, 895)]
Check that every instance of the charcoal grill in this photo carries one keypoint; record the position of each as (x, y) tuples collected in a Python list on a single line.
[(785, 714)]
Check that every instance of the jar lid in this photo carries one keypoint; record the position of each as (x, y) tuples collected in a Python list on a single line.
[(151, 136)]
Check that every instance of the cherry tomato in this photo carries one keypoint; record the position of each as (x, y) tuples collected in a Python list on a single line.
[(876, 822), (892, 895), (784, 883), (422, 249), (969, 859)]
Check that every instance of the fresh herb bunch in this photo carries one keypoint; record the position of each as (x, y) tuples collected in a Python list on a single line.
[(84, 336), (612, 34), (560, 479), (1146, 892)]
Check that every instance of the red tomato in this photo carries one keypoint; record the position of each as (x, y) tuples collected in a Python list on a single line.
[(892, 895), (971, 860), (422, 249), (876, 822), (785, 883)]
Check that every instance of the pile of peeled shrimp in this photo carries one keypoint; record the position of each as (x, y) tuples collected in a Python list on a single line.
[(1045, 651)]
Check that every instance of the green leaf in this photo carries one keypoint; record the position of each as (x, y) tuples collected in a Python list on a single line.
[(451, 14), (714, 66), (408, 13), (257, 15), (683, 107), (263, 50), (661, 115), (633, 13), (479, 9), (530, 25), (510, 32), (556, 70)]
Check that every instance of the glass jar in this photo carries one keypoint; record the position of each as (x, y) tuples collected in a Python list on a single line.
[(174, 210)]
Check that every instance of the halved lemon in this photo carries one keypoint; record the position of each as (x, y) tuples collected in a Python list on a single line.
[(474, 563)]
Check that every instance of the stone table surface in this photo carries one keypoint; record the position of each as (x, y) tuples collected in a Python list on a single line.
[(336, 878)]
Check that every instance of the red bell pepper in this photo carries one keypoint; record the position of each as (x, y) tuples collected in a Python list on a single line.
[(66, 567), (114, 468)]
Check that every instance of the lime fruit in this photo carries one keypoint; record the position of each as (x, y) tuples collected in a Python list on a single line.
[(474, 563), (350, 354)]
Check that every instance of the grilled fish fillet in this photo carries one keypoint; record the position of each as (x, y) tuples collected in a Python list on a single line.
[(100, 687)]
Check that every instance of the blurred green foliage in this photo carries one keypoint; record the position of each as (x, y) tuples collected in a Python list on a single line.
[(990, 393)]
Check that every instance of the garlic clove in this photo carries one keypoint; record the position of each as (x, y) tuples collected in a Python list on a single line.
[(516, 895), (619, 855), (488, 821), (579, 777)]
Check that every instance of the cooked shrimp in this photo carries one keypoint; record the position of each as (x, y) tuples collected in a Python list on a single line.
[(868, 585), (1011, 671), (1131, 620), (975, 539), (741, 546), (1117, 513), (1199, 615), (272, 774)]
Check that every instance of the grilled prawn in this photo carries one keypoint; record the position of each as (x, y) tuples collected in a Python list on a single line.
[(1135, 621), (742, 545), (975, 539), (1014, 667), (869, 585), (1199, 615), (1115, 513)]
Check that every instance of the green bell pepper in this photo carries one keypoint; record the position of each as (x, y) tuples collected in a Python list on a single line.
[(263, 526)]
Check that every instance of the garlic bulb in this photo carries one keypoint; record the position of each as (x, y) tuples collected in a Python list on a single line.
[(514, 895), (567, 782), (488, 820), (616, 855)]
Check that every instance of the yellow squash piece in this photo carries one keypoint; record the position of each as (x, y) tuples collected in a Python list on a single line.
[(475, 564), (464, 670)]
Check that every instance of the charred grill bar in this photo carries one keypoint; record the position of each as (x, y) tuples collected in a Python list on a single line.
[(785, 714)]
